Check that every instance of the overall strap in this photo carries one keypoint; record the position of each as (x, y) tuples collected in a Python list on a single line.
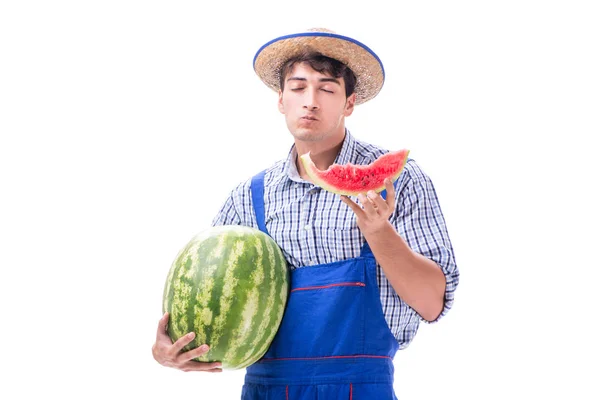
[(258, 190), (366, 250)]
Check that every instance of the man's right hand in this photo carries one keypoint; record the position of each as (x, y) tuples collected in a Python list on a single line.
[(169, 354)]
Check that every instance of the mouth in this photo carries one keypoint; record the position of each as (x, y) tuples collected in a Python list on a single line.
[(309, 118)]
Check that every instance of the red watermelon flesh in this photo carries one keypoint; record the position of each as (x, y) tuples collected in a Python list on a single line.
[(351, 180)]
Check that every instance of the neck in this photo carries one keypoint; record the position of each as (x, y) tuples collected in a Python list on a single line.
[(323, 154)]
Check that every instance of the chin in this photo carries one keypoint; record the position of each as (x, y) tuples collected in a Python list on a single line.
[(308, 135)]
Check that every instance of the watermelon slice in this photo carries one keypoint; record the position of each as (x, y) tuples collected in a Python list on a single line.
[(350, 180)]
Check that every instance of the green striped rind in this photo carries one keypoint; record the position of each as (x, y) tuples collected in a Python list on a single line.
[(229, 285), (267, 324)]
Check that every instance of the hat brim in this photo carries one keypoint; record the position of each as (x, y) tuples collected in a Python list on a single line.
[(365, 64)]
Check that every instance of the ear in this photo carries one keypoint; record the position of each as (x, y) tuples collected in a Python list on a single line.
[(349, 107), (280, 103)]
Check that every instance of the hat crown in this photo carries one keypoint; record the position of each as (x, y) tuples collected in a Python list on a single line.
[(324, 30), (361, 60)]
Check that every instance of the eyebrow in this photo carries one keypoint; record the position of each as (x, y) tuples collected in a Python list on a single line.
[(297, 78)]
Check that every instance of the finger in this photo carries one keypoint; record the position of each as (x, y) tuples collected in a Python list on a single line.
[(182, 342), (355, 207), (391, 193), (371, 195), (379, 204), (194, 353), (162, 326), (202, 366), (214, 370), (367, 205)]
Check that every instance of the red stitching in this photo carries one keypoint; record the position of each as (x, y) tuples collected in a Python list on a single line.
[(287, 395), (350, 391), (332, 285), (321, 358)]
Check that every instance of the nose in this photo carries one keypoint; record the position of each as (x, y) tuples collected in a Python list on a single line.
[(310, 100)]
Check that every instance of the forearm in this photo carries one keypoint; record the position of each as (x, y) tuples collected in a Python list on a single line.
[(418, 280)]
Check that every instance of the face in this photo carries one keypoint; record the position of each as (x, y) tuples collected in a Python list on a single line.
[(314, 104)]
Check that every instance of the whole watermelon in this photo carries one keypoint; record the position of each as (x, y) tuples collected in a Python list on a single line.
[(229, 285)]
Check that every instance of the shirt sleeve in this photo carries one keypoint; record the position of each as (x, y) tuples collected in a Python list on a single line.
[(419, 220), (237, 208)]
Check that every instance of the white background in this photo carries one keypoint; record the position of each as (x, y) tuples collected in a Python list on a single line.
[(125, 124)]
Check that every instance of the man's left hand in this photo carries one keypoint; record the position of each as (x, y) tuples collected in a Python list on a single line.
[(375, 212)]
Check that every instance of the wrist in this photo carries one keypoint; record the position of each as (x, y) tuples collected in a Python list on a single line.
[(379, 233)]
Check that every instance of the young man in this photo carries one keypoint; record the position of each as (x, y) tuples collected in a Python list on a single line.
[(370, 270)]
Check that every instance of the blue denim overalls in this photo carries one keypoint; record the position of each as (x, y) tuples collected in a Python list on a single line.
[(333, 342)]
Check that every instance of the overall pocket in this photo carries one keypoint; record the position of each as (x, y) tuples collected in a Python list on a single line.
[(325, 313)]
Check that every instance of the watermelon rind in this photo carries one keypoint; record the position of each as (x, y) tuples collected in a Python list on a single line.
[(346, 179)]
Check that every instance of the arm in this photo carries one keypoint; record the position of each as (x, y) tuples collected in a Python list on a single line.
[(424, 278), (416, 279)]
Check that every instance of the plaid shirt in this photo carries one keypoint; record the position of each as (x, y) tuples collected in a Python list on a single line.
[(313, 226)]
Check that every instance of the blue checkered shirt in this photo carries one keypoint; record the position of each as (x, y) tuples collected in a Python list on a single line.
[(313, 226)]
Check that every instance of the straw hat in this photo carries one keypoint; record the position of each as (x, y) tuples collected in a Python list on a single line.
[(359, 58)]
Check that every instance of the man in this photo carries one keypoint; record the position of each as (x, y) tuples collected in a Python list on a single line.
[(369, 271)]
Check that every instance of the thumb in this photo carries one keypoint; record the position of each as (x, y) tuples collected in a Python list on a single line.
[(162, 326)]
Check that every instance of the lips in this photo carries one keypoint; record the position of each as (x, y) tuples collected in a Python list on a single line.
[(309, 118)]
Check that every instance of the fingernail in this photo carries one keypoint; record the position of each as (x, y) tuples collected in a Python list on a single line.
[(191, 335), (204, 347)]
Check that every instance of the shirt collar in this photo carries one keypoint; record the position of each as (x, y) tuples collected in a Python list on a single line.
[(345, 156)]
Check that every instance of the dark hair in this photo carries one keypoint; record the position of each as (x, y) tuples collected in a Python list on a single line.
[(322, 64)]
